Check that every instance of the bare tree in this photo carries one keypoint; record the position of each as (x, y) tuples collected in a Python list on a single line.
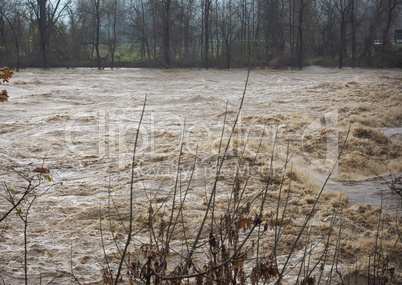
[(227, 27), (302, 6), (204, 31), (392, 7), (140, 27), (95, 9), (343, 7), (188, 28), (166, 32), (112, 15), (97, 14), (273, 26), (207, 9), (10, 14), (353, 29), (47, 14), (326, 25)]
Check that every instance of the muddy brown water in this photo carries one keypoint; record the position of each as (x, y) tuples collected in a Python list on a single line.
[(81, 124)]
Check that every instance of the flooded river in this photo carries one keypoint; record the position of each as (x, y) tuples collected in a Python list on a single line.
[(81, 124)]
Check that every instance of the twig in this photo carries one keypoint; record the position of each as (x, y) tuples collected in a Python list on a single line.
[(131, 195)]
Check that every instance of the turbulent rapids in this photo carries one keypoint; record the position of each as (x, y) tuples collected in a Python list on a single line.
[(81, 124)]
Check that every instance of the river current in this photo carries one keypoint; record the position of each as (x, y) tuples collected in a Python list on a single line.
[(81, 124)]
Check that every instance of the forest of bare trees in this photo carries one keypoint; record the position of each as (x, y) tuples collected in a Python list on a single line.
[(200, 33)]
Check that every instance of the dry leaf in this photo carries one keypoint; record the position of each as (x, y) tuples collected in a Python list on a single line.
[(41, 170)]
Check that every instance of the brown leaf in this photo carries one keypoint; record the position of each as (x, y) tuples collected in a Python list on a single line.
[(245, 223), (41, 170), (3, 96), (238, 263)]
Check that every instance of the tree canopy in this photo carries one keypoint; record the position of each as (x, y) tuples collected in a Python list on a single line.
[(202, 33)]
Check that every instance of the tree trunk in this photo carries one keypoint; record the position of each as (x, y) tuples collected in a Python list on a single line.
[(291, 27), (228, 58), (114, 37), (166, 33), (353, 27), (342, 44), (206, 40), (343, 7), (300, 34), (392, 4), (97, 37), (42, 23)]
